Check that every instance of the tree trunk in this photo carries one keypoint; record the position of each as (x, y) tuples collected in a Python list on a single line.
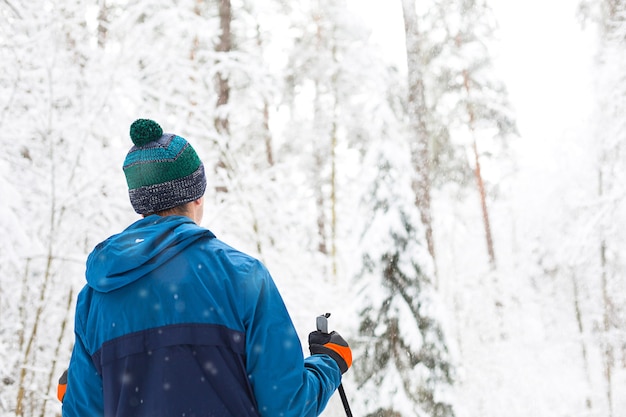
[(606, 316), (483, 206), (333, 170), (269, 153), (57, 350), (608, 349), (417, 110), (583, 345), (320, 151), (224, 46), (320, 200), (478, 175), (267, 134), (102, 31)]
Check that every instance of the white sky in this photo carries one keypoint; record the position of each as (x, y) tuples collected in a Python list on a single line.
[(545, 62), (543, 59)]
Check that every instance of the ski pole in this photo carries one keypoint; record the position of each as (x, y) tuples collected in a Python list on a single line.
[(322, 326), (344, 400)]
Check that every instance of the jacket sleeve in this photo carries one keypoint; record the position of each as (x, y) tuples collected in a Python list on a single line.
[(284, 383), (83, 396)]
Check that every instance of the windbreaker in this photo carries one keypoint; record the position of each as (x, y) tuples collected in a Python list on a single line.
[(173, 322)]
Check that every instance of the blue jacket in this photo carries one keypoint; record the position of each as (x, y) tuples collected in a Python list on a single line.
[(173, 322)]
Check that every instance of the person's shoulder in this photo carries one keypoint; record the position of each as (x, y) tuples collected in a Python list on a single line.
[(85, 293), (230, 254), (221, 246)]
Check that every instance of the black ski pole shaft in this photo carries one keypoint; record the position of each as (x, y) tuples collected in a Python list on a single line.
[(322, 326), (344, 400)]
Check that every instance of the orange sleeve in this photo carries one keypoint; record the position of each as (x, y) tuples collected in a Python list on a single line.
[(344, 351), (62, 387)]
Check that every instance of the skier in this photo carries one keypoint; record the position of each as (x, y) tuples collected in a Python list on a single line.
[(174, 322)]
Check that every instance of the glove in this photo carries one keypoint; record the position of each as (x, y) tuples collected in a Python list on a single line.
[(62, 387), (333, 345)]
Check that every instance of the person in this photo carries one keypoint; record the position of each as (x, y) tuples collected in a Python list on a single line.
[(174, 322)]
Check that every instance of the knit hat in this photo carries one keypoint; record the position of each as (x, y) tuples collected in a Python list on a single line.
[(162, 170)]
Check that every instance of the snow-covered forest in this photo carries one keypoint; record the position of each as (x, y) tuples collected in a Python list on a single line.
[(388, 168)]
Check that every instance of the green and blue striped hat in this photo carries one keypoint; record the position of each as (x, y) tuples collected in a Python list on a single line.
[(162, 169)]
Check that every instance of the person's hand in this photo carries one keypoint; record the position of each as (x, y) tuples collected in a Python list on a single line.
[(333, 345)]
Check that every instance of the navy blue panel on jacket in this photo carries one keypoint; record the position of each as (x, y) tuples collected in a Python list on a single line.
[(177, 370)]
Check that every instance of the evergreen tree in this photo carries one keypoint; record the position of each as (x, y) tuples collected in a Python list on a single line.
[(473, 101), (404, 364)]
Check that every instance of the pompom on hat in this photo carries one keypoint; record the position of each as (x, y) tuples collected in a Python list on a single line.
[(162, 169)]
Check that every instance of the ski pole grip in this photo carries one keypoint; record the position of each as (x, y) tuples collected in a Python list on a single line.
[(322, 323)]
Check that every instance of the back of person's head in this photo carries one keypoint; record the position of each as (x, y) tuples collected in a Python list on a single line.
[(162, 170)]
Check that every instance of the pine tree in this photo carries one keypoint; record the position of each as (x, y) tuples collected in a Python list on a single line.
[(452, 94), (475, 102), (404, 364)]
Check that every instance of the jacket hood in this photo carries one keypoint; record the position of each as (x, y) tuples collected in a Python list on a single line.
[(141, 248)]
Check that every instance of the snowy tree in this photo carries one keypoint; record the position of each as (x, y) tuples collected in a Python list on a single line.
[(321, 160), (455, 101), (606, 200), (56, 98), (330, 86), (405, 367), (474, 102), (421, 116)]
